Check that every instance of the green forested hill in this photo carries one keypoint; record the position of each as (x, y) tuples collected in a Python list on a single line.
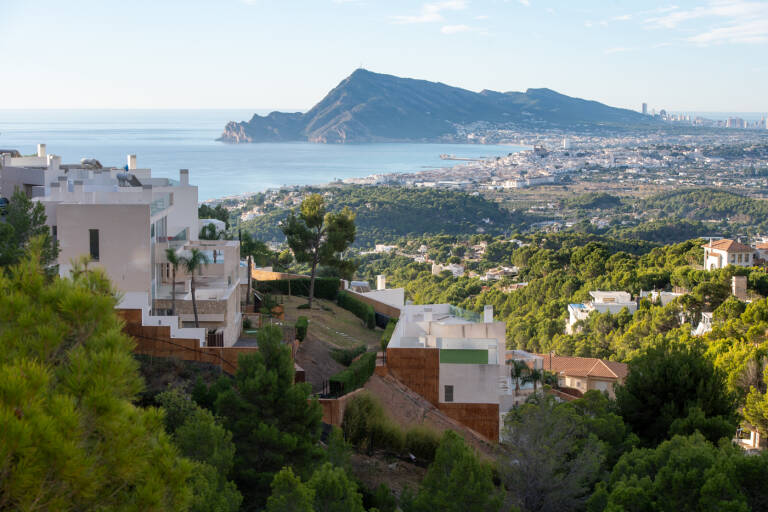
[(710, 204), (387, 213)]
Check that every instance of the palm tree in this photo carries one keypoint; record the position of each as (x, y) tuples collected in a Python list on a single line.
[(535, 376), (247, 248), (193, 263), (550, 378), (174, 261), (517, 370)]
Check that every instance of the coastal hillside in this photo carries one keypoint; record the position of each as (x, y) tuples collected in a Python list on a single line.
[(385, 214), (373, 107)]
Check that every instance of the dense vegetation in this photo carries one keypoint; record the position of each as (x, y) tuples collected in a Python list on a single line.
[(710, 204), (387, 213), (77, 434)]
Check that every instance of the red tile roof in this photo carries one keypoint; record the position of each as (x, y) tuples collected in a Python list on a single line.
[(585, 367), (728, 245)]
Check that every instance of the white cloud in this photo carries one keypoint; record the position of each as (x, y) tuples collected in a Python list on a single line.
[(526, 3), (455, 29), (734, 21), (431, 12), (481, 17)]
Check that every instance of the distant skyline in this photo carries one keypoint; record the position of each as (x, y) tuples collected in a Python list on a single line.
[(705, 56)]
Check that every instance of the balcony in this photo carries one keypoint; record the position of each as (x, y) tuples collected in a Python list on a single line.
[(159, 204)]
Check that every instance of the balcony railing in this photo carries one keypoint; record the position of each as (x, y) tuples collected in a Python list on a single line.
[(159, 204)]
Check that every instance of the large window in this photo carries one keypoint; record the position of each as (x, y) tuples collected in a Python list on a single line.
[(449, 393), (94, 238)]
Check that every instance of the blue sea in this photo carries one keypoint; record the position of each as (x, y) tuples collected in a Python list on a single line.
[(169, 140)]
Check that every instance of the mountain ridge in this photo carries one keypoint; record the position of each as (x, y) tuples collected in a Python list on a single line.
[(374, 107)]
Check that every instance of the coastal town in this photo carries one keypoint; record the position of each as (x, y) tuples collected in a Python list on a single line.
[(156, 294), (438, 256)]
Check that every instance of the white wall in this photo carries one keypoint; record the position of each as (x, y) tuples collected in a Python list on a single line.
[(472, 383), (124, 243)]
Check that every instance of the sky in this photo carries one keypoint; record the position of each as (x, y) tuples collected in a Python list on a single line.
[(287, 54)]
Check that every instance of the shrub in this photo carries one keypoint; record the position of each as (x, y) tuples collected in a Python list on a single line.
[(385, 434), (345, 356), (325, 287), (387, 334), (301, 328), (355, 376), (359, 308), (422, 442), (367, 427), (302, 306), (247, 323)]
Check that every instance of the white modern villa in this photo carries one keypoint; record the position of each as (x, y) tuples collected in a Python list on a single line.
[(124, 219), (602, 302), (457, 360)]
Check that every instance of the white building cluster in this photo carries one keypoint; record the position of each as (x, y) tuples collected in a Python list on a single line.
[(123, 220)]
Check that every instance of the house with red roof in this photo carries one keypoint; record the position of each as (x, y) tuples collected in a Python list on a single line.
[(721, 253), (585, 373)]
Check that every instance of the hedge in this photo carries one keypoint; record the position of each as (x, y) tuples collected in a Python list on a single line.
[(301, 328), (359, 308), (387, 334), (345, 356), (325, 287), (353, 377), (367, 427)]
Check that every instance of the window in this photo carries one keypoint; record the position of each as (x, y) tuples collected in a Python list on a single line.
[(94, 237), (55, 233), (449, 393)]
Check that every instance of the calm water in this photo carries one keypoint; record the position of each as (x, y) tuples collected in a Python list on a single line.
[(169, 140)]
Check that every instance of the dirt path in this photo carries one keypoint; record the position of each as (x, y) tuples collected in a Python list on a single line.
[(315, 357)]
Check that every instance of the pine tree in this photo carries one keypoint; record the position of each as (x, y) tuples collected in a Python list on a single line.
[(318, 237), (289, 494), (457, 481), (272, 422), (70, 436), (334, 491)]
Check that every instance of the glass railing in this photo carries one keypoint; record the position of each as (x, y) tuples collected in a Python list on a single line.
[(469, 316), (159, 204)]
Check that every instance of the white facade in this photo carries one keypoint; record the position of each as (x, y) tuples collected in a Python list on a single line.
[(123, 220), (454, 268), (705, 325), (661, 297), (721, 253), (602, 302)]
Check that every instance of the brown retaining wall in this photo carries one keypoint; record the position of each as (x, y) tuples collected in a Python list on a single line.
[(482, 418), (156, 340), (417, 368), (333, 408)]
